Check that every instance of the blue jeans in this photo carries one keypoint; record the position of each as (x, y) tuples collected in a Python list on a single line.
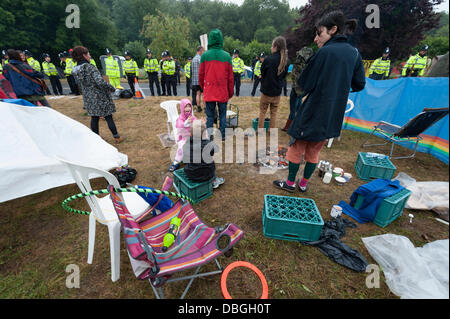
[(210, 107)]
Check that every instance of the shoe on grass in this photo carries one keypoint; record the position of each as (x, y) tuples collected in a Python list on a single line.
[(284, 186)]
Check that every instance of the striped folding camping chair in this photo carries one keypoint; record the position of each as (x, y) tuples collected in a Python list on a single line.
[(196, 244)]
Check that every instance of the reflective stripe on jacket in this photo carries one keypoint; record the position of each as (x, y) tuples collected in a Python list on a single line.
[(49, 68), (187, 70), (151, 65), (415, 62), (130, 66), (380, 66), (238, 65), (112, 68), (258, 68)]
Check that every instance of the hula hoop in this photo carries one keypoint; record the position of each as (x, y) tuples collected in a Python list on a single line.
[(223, 280), (118, 190)]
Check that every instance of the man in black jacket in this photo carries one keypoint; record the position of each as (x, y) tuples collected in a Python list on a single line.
[(324, 85)]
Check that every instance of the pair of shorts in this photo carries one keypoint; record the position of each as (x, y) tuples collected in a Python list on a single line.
[(196, 88), (310, 150)]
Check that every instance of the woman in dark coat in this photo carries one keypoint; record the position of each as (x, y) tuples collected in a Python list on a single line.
[(325, 84), (23, 79), (96, 91)]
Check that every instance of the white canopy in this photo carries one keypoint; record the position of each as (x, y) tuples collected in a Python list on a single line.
[(31, 138)]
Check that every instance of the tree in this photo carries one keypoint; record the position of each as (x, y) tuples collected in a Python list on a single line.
[(403, 24), (40, 26), (266, 35), (167, 33)]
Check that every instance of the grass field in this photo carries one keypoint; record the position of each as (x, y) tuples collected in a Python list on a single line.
[(38, 239)]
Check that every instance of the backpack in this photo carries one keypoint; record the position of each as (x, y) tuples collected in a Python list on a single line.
[(126, 94), (125, 174)]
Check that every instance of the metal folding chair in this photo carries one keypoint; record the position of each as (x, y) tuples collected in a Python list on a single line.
[(409, 132)]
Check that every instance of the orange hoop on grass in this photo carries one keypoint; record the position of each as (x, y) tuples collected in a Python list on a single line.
[(223, 280)]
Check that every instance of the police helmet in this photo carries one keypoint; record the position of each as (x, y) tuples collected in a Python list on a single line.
[(45, 55), (425, 48), (262, 55), (127, 53), (61, 55), (387, 51), (108, 51), (167, 53), (236, 51), (27, 53), (189, 58), (149, 51)]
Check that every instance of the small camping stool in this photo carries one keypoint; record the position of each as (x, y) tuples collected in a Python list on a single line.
[(409, 132)]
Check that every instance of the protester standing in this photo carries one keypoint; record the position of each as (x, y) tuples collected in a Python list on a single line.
[(96, 92), (324, 85), (273, 71), (216, 80), (196, 88)]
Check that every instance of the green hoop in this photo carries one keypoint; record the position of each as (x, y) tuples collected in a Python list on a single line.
[(66, 206)]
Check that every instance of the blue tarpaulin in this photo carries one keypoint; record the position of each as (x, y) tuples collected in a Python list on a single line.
[(397, 101)]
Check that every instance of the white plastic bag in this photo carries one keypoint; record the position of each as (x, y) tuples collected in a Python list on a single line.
[(412, 273)]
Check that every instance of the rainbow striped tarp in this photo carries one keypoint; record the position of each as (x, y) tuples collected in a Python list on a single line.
[(397, 101)]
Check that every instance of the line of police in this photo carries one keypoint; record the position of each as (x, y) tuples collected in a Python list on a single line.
[(380, 69), (415, 66)]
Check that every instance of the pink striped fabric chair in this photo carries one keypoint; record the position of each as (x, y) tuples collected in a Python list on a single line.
[(196, 243)]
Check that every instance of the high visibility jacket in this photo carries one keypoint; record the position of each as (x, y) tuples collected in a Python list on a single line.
[(130, 67), (49, 68), (187, 70), (238, 65), (416, 62), (380, 66), (70, 64), (1, 68), (93, 62), (169, 67), (258, 68), (112, 68), (151, 65), (34, 64)]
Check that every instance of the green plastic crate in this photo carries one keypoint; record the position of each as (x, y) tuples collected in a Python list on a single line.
[(369, 168), (291, 218), (266, 124), (390, 209), (196, 191)]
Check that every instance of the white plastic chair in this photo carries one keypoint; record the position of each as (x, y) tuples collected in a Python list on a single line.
[(330, 141), (102, 210), (172, 114)]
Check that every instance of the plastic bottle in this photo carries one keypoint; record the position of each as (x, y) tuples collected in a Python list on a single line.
[(169, 238), (327, 178)]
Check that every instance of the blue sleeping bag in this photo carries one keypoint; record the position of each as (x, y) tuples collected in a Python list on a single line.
[(152, 198)]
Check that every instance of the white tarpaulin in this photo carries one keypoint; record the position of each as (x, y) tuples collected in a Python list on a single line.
[(31, 138)]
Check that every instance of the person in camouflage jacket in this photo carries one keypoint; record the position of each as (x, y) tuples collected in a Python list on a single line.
[(299, 63)]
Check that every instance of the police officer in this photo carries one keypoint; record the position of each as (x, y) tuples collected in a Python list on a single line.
[(187, 73), (112, 69), (171, 78), (31, 61), (380, 68), (130, 70), (416, 65), (4, 60), (70, 64), (152, 68), (238, 69), (163, 74), (50, 70), (258, 72)]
